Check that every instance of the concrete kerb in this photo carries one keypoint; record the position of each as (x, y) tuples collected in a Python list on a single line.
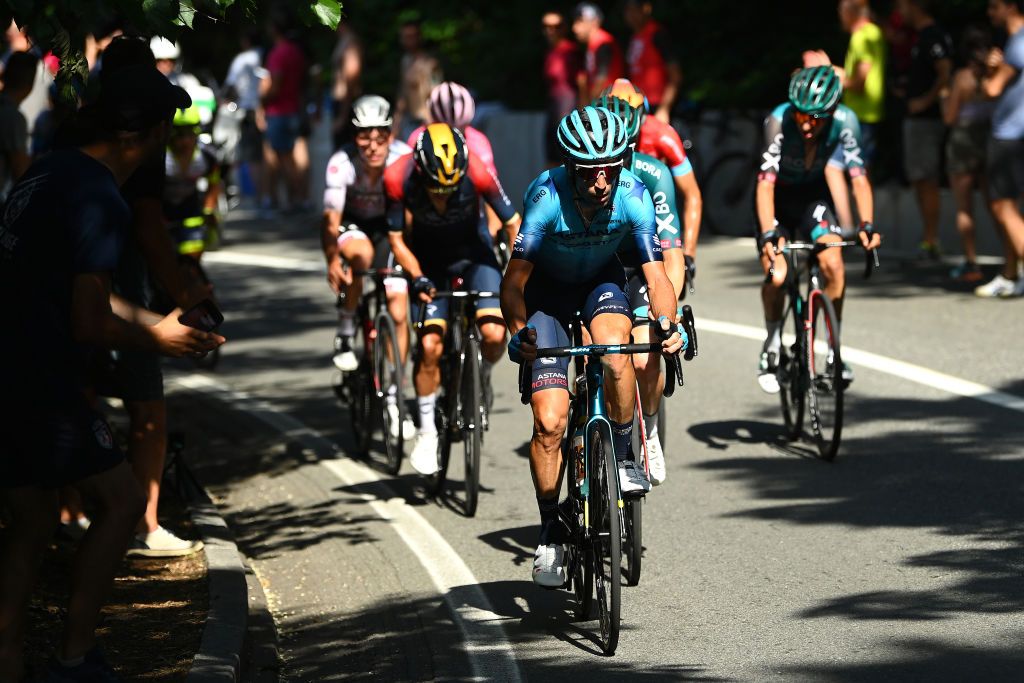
[(219, 656)]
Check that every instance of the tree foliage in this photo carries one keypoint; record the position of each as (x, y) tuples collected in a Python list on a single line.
[(62, 25)]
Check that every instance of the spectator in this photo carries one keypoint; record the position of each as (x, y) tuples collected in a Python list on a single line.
[(562, 67), (38, 98), (346, 83), (281, 94), (602, 60), (18, 79), (930, 69), (1006, 147), (968, 113), (60, 238), (242, 85), (863, 71), (135, 376), (653, 66), (419, 72)]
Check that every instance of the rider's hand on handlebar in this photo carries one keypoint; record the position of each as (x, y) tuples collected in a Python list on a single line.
[(522, 346), (338, 275), (869, 239), (424, 288), (668, 332)]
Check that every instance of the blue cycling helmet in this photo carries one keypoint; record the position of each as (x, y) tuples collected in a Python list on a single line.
[(592, 135)]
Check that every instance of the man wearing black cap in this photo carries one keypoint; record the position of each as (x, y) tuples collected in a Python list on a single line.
[(61, 231)]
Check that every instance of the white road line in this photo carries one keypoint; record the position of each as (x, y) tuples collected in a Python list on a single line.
[(890, 366), (237, 258), (486, 643)]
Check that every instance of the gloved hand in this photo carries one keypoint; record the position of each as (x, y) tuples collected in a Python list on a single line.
[(671, 335), (869, 239), (522, 346), (423, 287)]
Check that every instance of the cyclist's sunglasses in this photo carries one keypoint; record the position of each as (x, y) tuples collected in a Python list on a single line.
[(441, 189), (590, 174), (803, 117), (366, 136)]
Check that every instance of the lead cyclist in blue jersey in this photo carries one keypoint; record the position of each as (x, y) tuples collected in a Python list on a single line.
[(564, 260), (801, 138)]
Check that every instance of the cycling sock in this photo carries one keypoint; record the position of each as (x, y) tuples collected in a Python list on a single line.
[(622, 436), (651, 425), (774, 340), (426, 405), (551, 529), (346, 322), (391, 396)]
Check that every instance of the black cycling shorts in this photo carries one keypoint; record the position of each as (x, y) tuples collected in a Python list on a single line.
[(803, 212)]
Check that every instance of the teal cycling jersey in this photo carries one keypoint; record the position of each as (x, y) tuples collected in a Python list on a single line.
[(657, 177), (555, 238), (783, 158)]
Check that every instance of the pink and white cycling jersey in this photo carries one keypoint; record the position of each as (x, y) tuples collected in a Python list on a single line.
[(477, 142), (350, 192)]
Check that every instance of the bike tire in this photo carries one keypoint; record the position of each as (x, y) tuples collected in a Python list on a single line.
[(387, 367), (582, 554), (662, 423), (472, 422), (825, 387), (607, 538), (633, 548), (361, 408), (791, 375)]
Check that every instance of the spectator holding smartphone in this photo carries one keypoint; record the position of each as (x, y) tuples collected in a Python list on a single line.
[(61, 234)]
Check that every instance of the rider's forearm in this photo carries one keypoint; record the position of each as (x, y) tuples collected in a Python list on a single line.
[(835, 178), (329, 236), (404, 256), (693, 209), (513, 294), (660, 291), (675, 268), (765, 205), (157, 247), (865, 198)]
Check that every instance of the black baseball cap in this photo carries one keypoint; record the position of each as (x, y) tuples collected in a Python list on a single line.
[(137, 97)]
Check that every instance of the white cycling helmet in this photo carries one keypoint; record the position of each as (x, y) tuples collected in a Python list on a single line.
[(164, 49), (451, 103), (371, 111)]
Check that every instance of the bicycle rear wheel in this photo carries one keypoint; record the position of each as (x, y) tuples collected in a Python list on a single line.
[(607, 538), (791, 377), (387, 365), (826, 386), (633, 547), (361, 407), (472, 422)]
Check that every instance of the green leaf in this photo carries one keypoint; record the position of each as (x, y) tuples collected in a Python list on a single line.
[(186, 13), (328, 12)]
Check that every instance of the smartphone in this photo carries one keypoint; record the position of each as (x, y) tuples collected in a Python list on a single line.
[(203, 316)]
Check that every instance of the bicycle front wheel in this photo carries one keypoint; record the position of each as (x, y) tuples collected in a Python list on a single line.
[(633, 547), (472, 422), (790, 374), (387, 365), (826, 386), (607, 538)]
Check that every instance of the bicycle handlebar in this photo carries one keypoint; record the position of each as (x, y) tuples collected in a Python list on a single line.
[(471, 295), (870, 255)]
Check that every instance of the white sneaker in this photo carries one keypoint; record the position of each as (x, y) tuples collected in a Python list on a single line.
[(632, 480), (766, 372), (408, 426), (998, 286), (162, 543), (655, 461), (424, 453), (345, 361), (549, 566)]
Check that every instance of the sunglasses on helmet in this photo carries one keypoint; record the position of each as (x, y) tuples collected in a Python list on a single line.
[(591, 173)]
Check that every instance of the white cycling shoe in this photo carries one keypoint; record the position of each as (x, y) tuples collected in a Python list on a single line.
[(632, 480), (424, 454), (549, 566), (408, 427), (766, 372), (655, 461)]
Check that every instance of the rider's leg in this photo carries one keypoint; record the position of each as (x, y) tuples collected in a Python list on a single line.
[(772, 297), (398, 307), (428, 374), (649, 376), (832, 269), (620, 380), (357, 251)]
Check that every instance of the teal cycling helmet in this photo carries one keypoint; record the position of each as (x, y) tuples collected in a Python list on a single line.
[(631, 116), (592, 135), (815, 90)]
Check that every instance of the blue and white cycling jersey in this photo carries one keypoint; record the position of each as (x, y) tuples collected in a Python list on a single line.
[(554, 238)]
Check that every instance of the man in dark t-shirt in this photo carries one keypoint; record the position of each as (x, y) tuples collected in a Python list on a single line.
[(923, 130), (61, 234)]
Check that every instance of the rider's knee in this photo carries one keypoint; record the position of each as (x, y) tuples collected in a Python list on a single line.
[(645, 366), (618, 365), (833, 270), (431, 347), (548, 421), (492, 332)]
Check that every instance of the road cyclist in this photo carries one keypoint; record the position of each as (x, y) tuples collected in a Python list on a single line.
[(792, 201), (438, 233), (577, 217)]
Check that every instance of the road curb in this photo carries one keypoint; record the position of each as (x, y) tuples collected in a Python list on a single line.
[(219, 656)]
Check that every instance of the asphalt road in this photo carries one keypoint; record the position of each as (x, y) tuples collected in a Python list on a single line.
[(902, 560)]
